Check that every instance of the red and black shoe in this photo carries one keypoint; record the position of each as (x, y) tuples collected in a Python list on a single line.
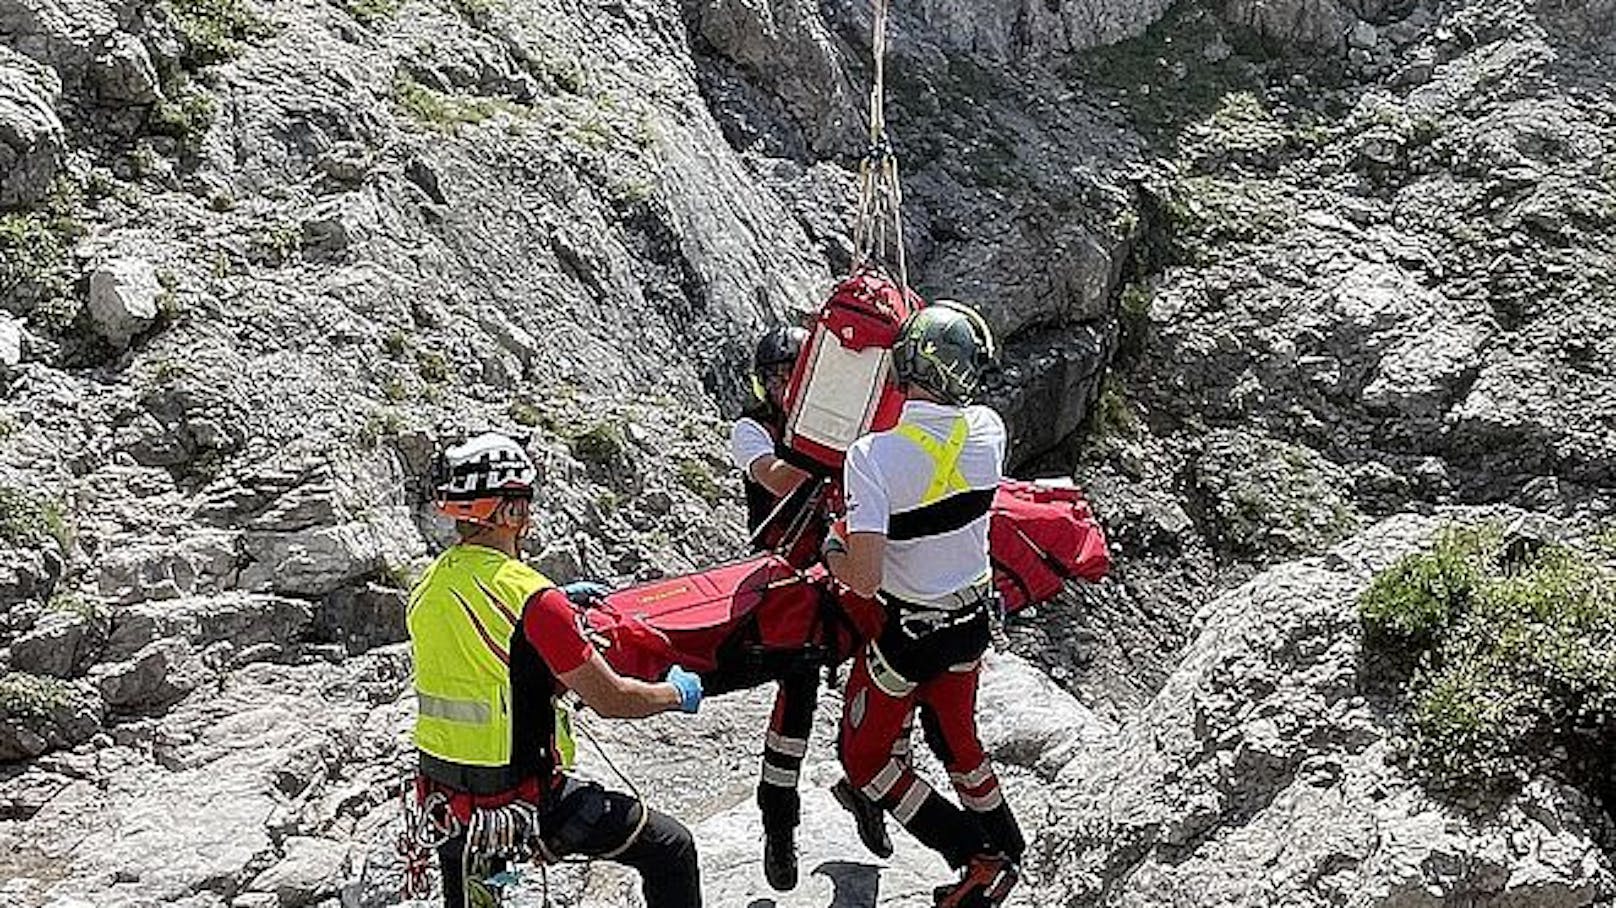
[(986, 883)]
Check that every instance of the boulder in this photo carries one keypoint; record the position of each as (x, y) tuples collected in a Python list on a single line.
[(311, 870), (11, 349), (154, 677), (1260, 495), (28, 572), (241, 619), (1261, 775), (363, 618), (57, 645), (122, 72), (169, 568), (1301, 24), (31, 138), (39, 714), (124, 297), (322, 560), (790, 44)]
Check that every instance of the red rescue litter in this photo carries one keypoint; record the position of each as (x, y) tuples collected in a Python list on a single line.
[(753, 621)]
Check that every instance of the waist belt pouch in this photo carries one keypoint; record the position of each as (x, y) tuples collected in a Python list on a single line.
[(574, 823)]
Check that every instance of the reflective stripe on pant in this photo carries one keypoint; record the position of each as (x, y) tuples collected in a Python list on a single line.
[(874, 746), (784, 747)]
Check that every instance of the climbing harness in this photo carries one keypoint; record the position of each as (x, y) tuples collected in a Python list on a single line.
[(511, 833), (878, 227)]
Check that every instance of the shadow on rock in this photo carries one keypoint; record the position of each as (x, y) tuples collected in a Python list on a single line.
[(857, 885)]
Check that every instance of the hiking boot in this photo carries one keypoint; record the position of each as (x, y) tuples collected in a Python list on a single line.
[(870, 818), (987, 881), (780, 860)]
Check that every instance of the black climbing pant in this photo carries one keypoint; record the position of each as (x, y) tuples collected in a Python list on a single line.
[(584, 818)]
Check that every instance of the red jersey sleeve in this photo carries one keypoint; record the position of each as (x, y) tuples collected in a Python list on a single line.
[(551, 626)]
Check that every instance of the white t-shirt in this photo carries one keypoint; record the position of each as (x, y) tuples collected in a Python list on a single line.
[(887, 475), (748, 441)]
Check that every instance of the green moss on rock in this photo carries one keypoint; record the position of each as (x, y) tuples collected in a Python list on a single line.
[(1512, 643)]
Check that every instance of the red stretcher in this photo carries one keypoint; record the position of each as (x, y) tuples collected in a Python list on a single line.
[(743, 624)]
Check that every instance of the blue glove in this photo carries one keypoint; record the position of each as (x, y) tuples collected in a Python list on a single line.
[(585, 592), (688, 684)]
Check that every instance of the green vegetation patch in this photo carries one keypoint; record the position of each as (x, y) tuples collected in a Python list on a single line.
[(1113, 412), (27, 519), (601, 444), (73, 603), (446, 112), (187, 117), (371, 12), (25, 696), (1415, 600), (1206, 212), (35, 267), (1509, 655), (215, 31), (698, 477)]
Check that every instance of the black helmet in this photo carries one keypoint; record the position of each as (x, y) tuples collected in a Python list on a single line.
[(778, 347), (773, 359), (944, 349)]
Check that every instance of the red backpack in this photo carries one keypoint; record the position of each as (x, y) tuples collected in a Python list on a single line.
[(839, 389), (1039, 537)]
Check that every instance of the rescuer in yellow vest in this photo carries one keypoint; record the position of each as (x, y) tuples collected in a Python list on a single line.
[(495, 644)]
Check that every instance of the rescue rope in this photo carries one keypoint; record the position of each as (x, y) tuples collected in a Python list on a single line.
[(645, 812), (878, 224), (511, 832)]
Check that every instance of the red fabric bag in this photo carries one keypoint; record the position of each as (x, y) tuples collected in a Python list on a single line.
[(749, 610), (1039, 537)]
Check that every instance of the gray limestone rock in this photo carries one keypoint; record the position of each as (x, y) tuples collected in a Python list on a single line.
[(153, 677), (123, 72), (1316, 23), (309, 872), (57, 645), (11, 346), (124, 297), (31, 139), (1259, 775), (1009, 29)]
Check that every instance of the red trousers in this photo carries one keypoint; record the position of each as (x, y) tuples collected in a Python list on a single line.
[(877, 722)]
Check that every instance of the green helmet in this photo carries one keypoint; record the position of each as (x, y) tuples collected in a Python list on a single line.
[(944, 349)]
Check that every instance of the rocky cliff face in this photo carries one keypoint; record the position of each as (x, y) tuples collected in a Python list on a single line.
[(1269, 273)]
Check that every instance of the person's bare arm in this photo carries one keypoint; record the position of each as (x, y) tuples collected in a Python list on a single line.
[(860, 566), (615, 696), (779, 477)]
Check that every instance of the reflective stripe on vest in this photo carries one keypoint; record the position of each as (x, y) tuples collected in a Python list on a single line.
[(946, 477), (949, 502), (461, 617), (454, 710)]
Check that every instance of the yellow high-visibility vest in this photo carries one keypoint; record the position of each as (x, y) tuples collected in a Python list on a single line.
[(461, 617)]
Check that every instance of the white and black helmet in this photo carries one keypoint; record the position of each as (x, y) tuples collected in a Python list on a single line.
[(472, 478)]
